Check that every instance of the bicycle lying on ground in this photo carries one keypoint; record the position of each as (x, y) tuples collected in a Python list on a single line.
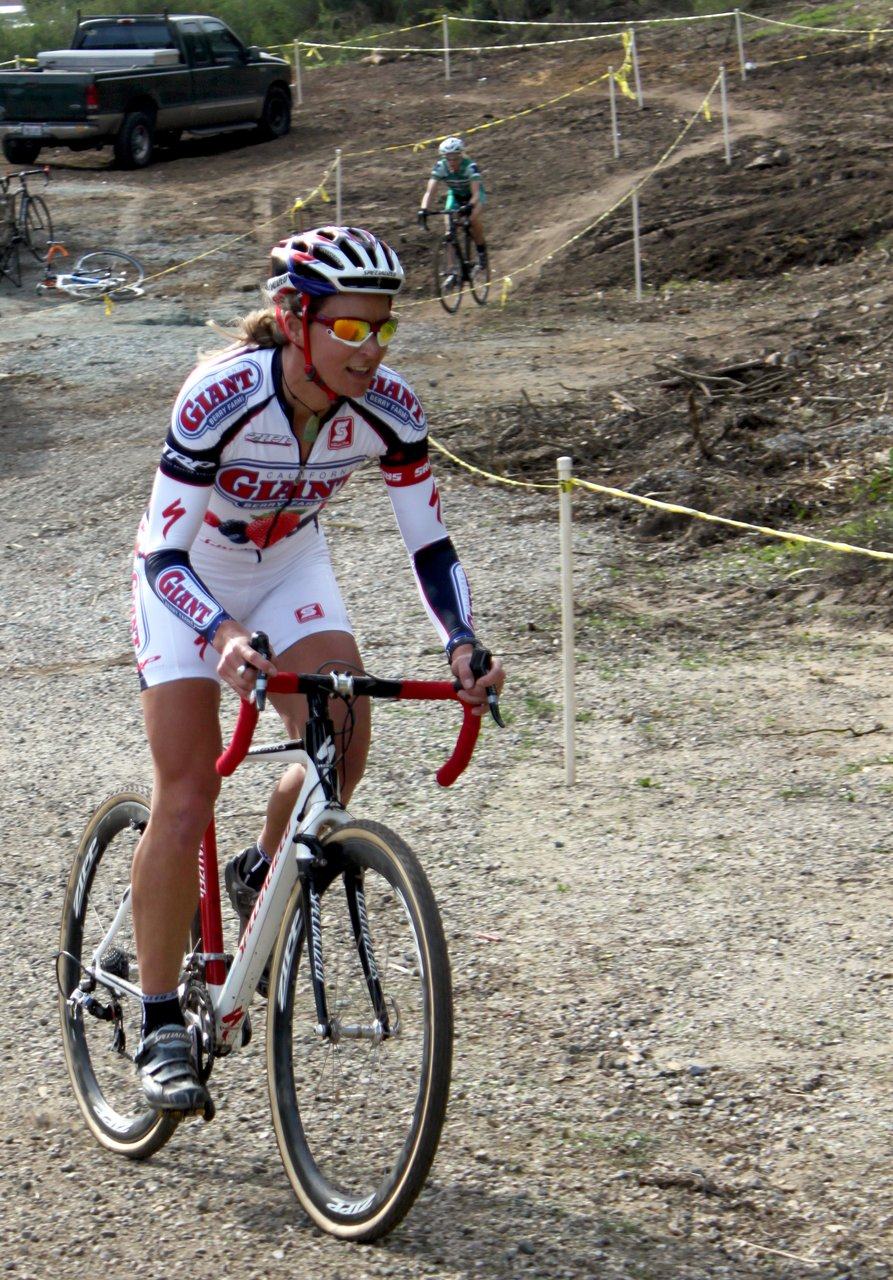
[(24, 222), (456, 263), (100, 274), (359, 1016)]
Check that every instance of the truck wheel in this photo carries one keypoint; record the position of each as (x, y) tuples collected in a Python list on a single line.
[(275, 120), (20, 150), (135, 141)]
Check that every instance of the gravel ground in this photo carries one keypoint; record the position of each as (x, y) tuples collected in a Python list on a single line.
[(671, 981)]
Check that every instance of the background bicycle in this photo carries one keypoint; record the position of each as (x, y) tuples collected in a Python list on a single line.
[(456, 263), (25, 222), (359, 1022)]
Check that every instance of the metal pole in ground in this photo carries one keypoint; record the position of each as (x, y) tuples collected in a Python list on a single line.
[(298, 91), (612, 94), (565, 530), (338, 221), (637, 250), (725, 114), (740, 38), (634, 53), (446, 47)]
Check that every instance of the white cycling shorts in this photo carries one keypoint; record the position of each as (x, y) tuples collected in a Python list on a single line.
[(287, 596)]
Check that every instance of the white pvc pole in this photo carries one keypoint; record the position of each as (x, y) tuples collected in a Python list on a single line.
[(740, 37), (446, 47), (338, 221), (725, 114), (637, 252), (612, 94), (298, 90), (635, 57), (565, 517)]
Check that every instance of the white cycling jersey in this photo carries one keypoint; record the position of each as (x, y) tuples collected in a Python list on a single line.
[(231, 490)]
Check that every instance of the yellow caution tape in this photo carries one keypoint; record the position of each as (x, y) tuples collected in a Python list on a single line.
[(422, 143), (705, 109), (622, 74), (313, 51), (784, 535), (627, 22), (109, 305), (504, 294)]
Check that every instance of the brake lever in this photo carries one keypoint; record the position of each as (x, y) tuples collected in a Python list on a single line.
[(480, 662), (260, 644)]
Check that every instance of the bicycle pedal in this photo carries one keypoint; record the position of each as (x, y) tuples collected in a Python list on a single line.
[(209, 1112)]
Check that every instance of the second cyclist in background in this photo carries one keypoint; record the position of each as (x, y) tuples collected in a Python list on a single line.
[(465, 187)]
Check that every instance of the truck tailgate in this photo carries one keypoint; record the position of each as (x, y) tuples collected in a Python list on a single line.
[(43, 95)]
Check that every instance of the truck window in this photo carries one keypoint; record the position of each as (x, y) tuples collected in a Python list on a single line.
[(195, 44), (224, 45), (125, 35)]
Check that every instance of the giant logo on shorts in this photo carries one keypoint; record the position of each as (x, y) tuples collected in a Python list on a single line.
[(217, 398)]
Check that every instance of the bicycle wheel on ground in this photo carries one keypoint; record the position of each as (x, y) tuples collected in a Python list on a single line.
[(110, 273), (100, 1030), (36, 227), (448, 275), (358, 1115)]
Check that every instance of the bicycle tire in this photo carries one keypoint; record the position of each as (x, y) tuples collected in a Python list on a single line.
[(36, 226), (104, 1080), (358, 1123), (448, 275), (124, 273), (11, 264)]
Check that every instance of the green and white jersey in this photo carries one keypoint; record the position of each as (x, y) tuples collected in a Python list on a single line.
[(459, 181)]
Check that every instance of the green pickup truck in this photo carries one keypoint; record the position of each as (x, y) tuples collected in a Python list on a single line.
[(137, 81)]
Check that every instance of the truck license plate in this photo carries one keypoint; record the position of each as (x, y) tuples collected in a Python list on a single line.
[(32, 130)]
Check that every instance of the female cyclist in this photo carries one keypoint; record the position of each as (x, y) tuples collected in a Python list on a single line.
[(261, 436), (465, 186)]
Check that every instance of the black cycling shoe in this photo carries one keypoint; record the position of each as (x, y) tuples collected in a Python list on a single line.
[(168, 1073), (243, 897)]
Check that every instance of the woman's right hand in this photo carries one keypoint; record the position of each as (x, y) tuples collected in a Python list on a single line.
[(238, 661)]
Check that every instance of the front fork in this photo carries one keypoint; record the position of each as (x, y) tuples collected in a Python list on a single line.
[(332, 1028)]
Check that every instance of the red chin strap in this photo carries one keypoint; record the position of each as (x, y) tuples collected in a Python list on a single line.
[(309, 370)]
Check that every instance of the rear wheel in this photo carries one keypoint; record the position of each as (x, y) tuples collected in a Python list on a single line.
[(448, 275), (135, 141), (101, 1026), (37, 227), (21, 150), (358, 1113)]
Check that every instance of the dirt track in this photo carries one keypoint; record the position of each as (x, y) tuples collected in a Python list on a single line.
[(673, 982)]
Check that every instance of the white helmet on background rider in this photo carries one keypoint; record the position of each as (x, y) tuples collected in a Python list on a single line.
[(451, 147), (329, 260)]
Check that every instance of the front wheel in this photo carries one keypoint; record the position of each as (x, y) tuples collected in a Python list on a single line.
[(275, 120), (37, 227), (358, 1111), (101, 1027), (448, 275)]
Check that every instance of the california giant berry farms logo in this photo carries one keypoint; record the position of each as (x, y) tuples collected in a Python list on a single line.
[(217, 398)]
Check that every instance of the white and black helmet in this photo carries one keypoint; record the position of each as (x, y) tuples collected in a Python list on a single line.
[(330, 260), (451, 146)]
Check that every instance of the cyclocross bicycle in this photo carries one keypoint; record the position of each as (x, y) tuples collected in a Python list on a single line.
[(100, 274), (456, 264), (359, 1016), (24, 222)]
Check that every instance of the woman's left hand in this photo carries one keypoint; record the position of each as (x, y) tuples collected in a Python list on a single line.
[(474, 691)]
